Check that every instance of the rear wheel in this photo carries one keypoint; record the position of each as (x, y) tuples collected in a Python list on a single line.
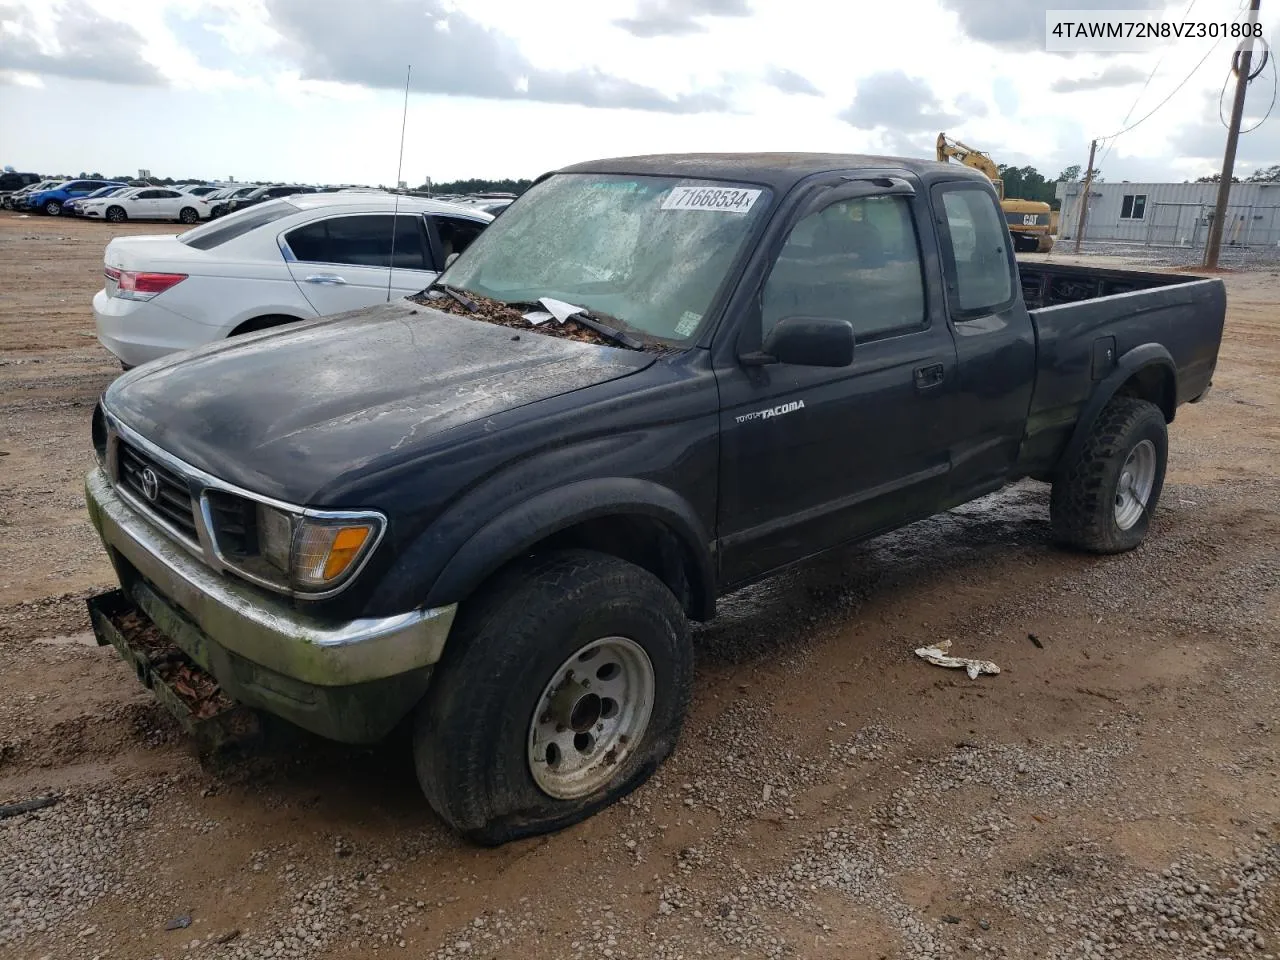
[(117, 214), (1104, 500), (261, 323), (188, 215), (52, 208), (563, 686)]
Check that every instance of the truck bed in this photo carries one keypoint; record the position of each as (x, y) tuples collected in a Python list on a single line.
[(1051, 284), (1081, 313)]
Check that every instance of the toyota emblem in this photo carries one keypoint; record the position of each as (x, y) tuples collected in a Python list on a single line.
[(150, 484)]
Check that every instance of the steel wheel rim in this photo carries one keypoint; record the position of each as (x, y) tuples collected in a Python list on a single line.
[(1137, 480), (589, 717)]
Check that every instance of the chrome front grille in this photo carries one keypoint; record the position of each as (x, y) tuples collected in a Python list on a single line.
[(234, 521), (157, 488)]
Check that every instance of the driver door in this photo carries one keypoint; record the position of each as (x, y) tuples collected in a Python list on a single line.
[(812, 456)]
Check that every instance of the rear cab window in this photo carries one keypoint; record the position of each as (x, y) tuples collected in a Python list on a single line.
[(976, 250), (218, 232)]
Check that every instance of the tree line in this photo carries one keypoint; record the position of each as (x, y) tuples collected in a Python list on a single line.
[(476, 185)]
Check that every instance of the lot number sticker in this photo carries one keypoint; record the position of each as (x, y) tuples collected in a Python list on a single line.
[(721, 199)]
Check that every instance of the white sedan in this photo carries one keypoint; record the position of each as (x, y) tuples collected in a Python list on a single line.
[(295, 258), (147, 203)]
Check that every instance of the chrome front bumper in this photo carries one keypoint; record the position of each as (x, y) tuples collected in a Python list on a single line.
[(259, 627)]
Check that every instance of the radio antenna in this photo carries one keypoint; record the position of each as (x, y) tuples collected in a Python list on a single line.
[(395, 215)]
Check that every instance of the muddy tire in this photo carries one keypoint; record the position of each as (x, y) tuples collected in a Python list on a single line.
[(537, 715), (1103, 501)]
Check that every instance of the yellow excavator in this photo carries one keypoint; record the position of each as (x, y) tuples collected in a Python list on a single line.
[(1028, 219)]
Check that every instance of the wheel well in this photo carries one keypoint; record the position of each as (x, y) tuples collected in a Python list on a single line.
[(261, 323), (1155, 384), (648, 543)]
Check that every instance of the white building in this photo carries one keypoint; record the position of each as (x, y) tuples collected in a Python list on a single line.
[(1172, 214)]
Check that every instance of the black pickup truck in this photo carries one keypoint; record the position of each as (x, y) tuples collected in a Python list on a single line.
[(492, 509)]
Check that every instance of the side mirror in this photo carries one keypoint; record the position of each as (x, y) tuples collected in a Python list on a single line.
[(448, 261), (806, 342)]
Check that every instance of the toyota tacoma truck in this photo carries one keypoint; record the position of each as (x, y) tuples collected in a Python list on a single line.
[(491, 510)]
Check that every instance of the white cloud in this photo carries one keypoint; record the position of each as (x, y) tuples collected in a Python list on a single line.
[(292, 90)]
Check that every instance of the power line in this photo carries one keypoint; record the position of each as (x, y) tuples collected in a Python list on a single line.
[(1133, 106), (1170, 95), (1253, 75)]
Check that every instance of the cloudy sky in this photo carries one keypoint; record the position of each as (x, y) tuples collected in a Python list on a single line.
[(311, 90)]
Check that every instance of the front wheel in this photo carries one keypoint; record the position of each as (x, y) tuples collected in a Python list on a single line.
[(1103, 501), (563, 686), (53, 208), (188, 215), (117, 214)]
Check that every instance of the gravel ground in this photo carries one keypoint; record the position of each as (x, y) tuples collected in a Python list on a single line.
[(1250, 259), (1112, 793)]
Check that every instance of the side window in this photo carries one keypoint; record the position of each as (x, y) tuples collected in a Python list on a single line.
[(456, 234), (856, 259), (363, 241), (979, 251), (310, 243), (149, 195), (167, 194)]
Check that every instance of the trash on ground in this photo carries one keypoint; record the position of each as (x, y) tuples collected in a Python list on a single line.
[(179, 923), (26, 806), (938, 654)]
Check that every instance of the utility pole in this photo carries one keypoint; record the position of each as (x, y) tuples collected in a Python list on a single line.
[(1242, 63), (1084, 196)]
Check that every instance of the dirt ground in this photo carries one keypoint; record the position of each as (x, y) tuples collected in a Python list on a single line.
[(1112, 793)]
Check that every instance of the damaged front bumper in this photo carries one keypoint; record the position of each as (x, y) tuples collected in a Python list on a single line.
[(350, 681)]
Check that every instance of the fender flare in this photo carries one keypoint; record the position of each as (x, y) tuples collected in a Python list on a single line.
[(1140, 358), (506, 536)]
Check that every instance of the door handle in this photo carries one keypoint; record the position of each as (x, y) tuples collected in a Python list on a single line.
[(325, 278), (929, 375)]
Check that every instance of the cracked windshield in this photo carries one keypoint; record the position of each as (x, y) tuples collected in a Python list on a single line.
[(648, 251)]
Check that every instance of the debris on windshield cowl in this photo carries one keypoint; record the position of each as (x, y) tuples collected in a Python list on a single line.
[(939, 655), (506, 315)]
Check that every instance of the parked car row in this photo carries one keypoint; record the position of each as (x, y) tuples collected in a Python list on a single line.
[(273, 262), (49, 196)]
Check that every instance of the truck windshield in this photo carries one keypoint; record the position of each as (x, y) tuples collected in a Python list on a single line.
[(650, 251)]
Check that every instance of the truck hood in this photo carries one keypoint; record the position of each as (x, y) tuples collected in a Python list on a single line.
[(290, 411)]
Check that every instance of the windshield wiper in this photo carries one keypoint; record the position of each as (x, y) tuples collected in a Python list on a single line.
[(607, 325), (595, 322), (455, 293)]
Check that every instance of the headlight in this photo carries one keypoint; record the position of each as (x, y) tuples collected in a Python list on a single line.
[(315, 553)]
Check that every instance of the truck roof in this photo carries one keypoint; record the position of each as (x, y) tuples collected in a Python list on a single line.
[(781, 171)]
